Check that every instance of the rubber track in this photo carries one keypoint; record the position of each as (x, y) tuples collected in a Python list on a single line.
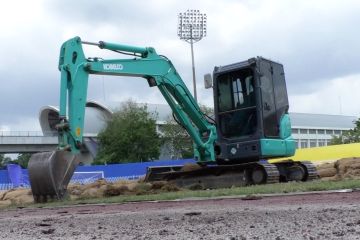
[(311, 170), (272, 172)]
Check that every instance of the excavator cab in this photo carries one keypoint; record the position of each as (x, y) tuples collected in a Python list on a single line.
[(251, 111)]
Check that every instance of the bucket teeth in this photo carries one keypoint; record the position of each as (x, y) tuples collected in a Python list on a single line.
[(50, 173)]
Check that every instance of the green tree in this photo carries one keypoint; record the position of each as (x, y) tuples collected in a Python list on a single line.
[(23, 159), (4, 160), (130, 136), (335, 140), (351, 136), (176, 139)]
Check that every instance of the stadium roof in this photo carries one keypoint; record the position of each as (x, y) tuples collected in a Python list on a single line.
[(322, 121)]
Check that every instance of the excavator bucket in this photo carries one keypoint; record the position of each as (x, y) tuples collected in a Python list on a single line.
[(50, 173)]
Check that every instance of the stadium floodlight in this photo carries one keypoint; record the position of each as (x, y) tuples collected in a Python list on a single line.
[(192, 28)]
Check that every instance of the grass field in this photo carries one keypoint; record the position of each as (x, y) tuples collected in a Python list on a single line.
[(238, 191)]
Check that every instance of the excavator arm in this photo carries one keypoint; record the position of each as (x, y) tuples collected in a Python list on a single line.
[(158, 70), (50, 172)]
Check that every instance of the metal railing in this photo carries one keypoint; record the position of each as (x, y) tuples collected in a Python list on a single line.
[(26, 134), (36, 134)]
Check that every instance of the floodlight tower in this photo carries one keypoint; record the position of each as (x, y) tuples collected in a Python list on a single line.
[(192, 28)]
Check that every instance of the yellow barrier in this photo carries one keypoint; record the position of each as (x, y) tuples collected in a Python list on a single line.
[(328, 153)]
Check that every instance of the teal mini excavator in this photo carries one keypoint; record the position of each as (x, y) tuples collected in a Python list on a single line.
[(251, 120)]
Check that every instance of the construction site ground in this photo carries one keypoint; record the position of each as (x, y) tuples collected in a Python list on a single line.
[(311, 216), (300, 216), (343, 169)]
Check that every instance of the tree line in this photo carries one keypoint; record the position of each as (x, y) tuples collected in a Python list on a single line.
[(350, 136), (22, 159)]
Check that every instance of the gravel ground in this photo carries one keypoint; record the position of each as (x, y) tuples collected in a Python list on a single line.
[(314, 216)]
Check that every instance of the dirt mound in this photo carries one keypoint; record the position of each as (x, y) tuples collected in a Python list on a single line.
[(16, 196), (327, 172), (98, 189), (5, 203), (94, 192), (170, 187), (190, 167), (102, 188), (129, 184), (75, 189), (346, 168), (113, 190)]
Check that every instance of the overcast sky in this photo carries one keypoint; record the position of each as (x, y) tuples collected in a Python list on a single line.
[(318, 43)]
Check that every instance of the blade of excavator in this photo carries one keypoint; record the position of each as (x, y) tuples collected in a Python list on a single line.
[(50, 173)]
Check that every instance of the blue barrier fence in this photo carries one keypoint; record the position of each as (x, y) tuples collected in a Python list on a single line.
[(14, 176)]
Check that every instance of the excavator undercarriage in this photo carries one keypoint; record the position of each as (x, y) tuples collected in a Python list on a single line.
[(224, 176)]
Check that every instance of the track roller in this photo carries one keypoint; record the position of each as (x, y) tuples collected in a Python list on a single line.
[(296, 171), (310, 171), (262, 173)]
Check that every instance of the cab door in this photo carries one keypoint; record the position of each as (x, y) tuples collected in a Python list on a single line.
[(268, 108)]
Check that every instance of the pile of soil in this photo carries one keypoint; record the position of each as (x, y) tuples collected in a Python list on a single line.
[(188, 167), (16, 196), (97, 189), (346, 168), (102, 188)]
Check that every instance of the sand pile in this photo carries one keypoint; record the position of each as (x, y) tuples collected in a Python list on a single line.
[(346, 168)]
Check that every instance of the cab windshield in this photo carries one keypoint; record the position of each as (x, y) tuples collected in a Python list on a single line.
[(237, 103)]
